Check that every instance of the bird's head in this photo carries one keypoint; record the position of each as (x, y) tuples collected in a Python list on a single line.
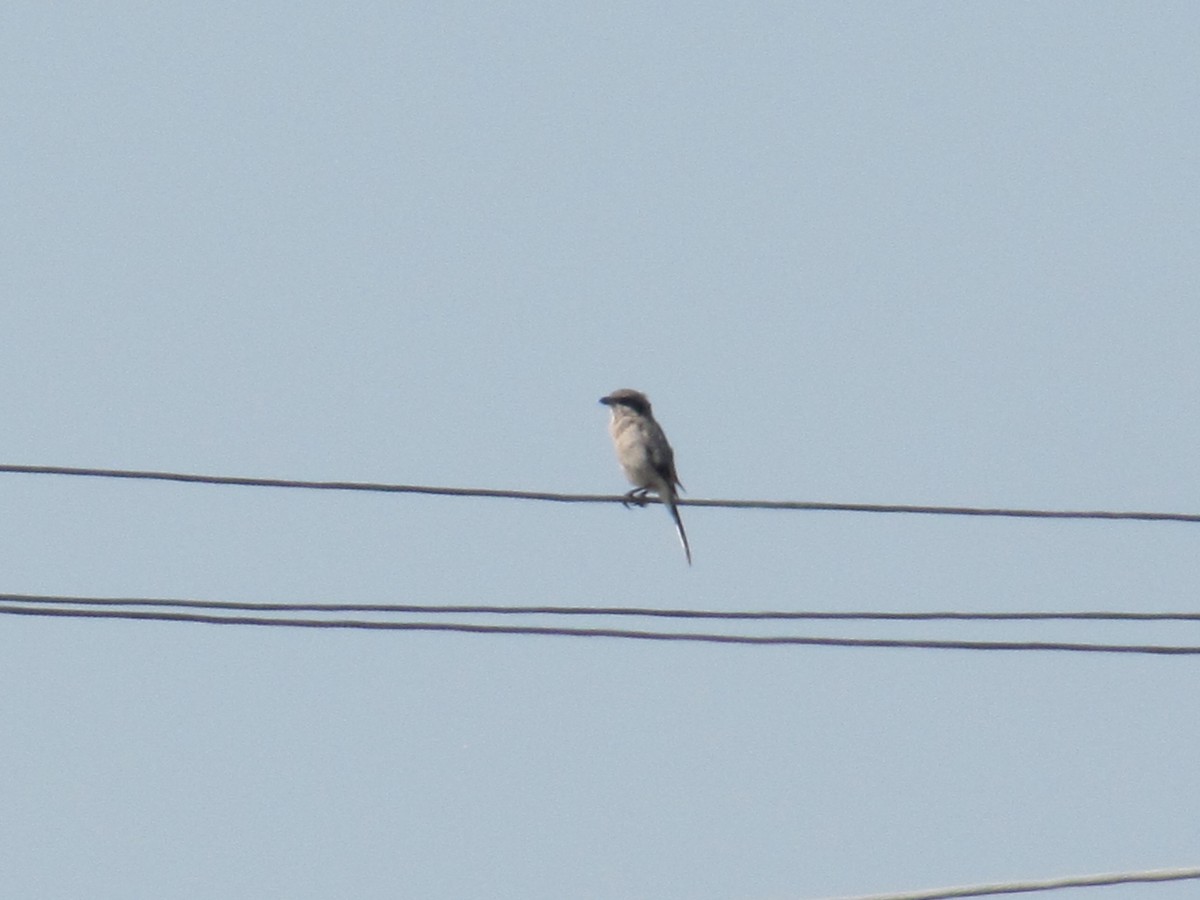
[(629, 399)]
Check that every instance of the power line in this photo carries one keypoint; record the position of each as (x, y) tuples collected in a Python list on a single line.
[(627, 634), (1054, 884), (378, 487), (622, 611)]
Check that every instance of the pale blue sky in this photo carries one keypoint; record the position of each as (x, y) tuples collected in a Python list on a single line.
[(911, 253)]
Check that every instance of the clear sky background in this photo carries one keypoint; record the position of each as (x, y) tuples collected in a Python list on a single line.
[(932, 253)]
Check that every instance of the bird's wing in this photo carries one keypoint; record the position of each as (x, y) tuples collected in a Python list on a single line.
[(662, 458)]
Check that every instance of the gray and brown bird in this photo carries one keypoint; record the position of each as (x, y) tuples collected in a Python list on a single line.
[(644, 454)]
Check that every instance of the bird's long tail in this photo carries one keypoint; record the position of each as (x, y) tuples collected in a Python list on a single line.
[(669, 499)]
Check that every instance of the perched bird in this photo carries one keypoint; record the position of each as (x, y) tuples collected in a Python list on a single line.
[(644, 454)]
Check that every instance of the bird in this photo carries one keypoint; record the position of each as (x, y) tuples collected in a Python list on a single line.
[(644, 454)]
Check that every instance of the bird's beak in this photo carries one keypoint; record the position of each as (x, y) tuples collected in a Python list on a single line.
[(607, 401)]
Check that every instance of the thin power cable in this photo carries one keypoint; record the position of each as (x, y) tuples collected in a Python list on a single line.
[(1023, 887), (376, 487), (628, 634), (615, 611)]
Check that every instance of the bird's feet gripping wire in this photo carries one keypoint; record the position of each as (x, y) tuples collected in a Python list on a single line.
[(638, 497)]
